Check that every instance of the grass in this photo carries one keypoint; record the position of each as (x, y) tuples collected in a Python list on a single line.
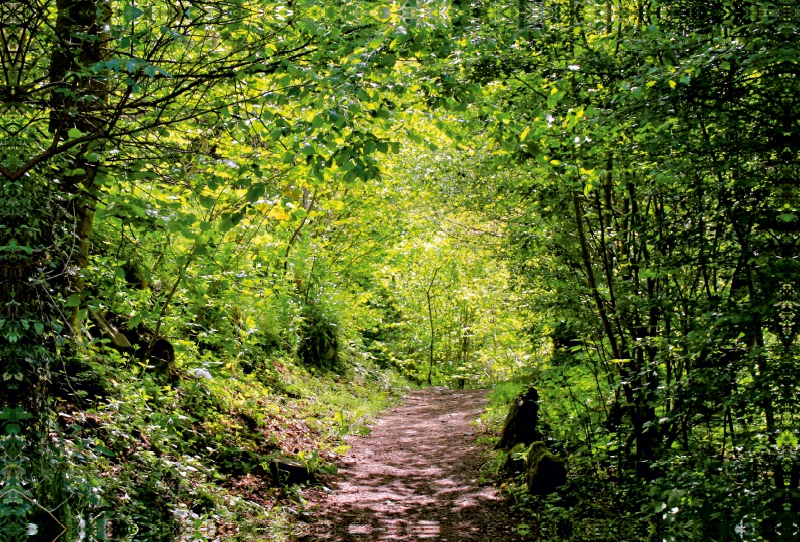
[(497, 408)]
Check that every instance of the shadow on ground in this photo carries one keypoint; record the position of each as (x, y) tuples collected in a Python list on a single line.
[(415, 477)]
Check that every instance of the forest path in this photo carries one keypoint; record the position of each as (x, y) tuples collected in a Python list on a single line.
[(414, 477)]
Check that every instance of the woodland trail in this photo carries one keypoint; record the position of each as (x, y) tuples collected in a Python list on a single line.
[(414, 477)]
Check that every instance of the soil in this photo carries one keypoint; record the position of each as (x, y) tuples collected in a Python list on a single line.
[(416, 476)]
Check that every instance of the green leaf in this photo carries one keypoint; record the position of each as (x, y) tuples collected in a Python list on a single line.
[(105, 451), (74, 133), (13, 429), (15, 413), (256, 192), (130, 13), (330, 468), (135, 320)]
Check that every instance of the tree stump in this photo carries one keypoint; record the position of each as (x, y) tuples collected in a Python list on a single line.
[(520, 424)]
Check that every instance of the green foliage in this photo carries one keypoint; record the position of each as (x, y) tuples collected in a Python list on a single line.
[(167, 175), (453, 313), (631, 153), (318, 339), (155, 460), (600, 196), (504, 392)]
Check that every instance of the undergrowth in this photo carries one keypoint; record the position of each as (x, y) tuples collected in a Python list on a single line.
[(190, 458), (592, 506), (499, 400)]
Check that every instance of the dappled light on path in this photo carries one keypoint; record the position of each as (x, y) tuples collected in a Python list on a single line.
[(415, 477)]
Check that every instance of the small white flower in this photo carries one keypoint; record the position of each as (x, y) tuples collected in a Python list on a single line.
[(33, 529), (81, 528), (574, 67), (181, 513), (201, 373)]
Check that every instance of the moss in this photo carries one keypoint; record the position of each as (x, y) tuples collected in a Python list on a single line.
[(546, 472)]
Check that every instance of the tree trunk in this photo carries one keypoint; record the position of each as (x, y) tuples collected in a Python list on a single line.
[(76, 100), (430, 321), (46, 213)]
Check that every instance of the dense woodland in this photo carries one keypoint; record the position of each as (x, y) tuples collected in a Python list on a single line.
[(232, 230)]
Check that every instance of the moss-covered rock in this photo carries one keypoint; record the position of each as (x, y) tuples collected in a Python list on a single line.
[(546, 472)]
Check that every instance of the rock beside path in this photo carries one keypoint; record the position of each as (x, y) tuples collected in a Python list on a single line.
[(288, 471), (520, 426), (545, 471)]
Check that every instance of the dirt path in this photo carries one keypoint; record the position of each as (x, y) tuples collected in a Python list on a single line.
[(414, 477)]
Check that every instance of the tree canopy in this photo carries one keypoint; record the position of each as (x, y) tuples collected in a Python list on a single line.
[(597, 197)]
